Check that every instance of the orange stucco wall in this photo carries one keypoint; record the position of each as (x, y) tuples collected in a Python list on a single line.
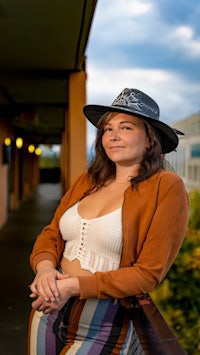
[(73, 151)]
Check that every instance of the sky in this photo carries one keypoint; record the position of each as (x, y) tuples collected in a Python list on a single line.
[(151, 45)]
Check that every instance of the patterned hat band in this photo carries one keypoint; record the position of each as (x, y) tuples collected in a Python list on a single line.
[(137, 101)]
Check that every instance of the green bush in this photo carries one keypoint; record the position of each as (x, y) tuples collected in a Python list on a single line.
[(194, 197)]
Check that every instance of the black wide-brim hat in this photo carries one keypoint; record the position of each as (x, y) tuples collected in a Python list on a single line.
[(137, 103)]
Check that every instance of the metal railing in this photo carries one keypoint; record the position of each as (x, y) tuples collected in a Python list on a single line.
[(155, 335)]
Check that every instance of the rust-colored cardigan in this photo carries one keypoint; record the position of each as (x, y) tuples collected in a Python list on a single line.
[(154, 223)]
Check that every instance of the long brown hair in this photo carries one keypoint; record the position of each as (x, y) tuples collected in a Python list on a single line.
[(101, 170)]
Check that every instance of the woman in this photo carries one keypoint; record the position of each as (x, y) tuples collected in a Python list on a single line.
[(114, 235)]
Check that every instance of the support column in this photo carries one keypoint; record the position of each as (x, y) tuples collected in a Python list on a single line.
[(74, 155)]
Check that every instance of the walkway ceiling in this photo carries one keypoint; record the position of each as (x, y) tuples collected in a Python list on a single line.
[(41, 42)]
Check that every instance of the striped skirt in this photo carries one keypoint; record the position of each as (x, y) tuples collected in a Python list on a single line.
[(83, 327)]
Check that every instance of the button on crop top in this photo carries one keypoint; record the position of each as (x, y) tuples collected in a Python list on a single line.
[(96, 243)]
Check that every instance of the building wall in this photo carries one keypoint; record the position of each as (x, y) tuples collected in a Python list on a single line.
[(5, 131), (186, 160), (19, 171)]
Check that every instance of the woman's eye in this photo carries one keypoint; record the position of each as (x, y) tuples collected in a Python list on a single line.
[(126, 127), (107, 129)]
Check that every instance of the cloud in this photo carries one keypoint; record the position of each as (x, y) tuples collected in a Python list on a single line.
[(182, 38), (122, 9), (140, 22), (120, 23), (176, 96)]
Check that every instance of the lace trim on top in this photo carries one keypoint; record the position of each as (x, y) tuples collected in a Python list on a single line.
[(96, 243)]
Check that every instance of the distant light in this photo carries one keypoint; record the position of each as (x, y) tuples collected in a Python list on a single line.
[(7, 141), (19, 143), (31, 148), (38, 151)]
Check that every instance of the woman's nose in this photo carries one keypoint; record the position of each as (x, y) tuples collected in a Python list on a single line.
[(115, 136)]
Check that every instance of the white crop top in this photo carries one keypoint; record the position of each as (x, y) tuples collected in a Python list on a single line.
[(96, 243)]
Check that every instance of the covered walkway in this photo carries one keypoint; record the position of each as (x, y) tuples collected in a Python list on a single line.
[(16, 241)]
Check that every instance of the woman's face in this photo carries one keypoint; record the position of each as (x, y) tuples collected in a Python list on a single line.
[(124, 139)]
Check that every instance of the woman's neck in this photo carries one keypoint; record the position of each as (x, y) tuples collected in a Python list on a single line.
[(124, 175)]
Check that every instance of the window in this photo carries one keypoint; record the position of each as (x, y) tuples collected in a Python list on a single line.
[(195, 150)]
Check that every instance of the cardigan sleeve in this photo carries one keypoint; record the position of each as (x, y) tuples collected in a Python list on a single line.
[(49, 244), (164, 237)]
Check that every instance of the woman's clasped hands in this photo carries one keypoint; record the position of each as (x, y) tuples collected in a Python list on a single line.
[(51, 289)]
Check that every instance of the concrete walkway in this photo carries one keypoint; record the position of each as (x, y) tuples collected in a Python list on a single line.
[(16, 241)]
